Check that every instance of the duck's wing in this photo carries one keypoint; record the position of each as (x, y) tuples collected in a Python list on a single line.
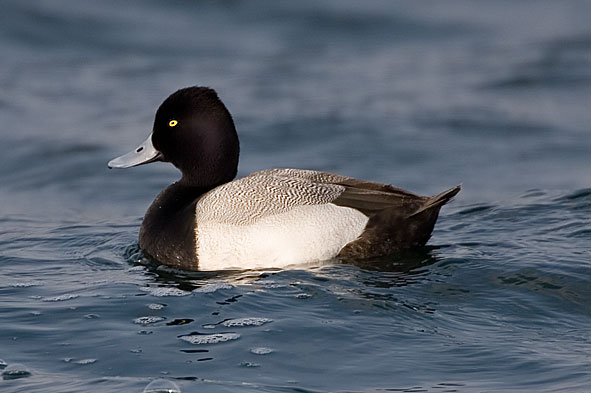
[(366, 196), (261, 194)]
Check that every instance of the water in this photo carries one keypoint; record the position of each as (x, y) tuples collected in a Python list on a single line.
[(494, 95)]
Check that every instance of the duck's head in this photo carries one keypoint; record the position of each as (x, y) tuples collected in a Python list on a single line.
[(194, 131)]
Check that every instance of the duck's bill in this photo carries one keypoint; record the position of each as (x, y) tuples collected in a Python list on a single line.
[(143, 154)]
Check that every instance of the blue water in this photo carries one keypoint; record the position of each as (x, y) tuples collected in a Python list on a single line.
[(492, 94)]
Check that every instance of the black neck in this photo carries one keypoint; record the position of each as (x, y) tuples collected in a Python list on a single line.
[(168, 229)]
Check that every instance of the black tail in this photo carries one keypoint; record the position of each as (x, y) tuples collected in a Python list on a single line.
[(393, 229), (438, 200)]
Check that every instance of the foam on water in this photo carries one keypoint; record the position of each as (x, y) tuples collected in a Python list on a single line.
[(26, 284), (16, 371), (243, 322), (165, 291), (250, 364), (85, 361), (261, 351), (60, 298), (213, 287), (210, 338), (148, 320)]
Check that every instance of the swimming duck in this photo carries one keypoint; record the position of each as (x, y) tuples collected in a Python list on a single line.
[(272, 218)]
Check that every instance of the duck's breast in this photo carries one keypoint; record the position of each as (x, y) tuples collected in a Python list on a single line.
[(303, 234)]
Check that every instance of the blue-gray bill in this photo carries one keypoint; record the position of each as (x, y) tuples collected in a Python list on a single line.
[(143, 154)]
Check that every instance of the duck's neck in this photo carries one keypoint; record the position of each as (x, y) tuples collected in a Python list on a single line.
[(168, 229)]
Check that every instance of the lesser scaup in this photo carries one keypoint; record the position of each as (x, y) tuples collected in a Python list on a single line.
[(272, 218)]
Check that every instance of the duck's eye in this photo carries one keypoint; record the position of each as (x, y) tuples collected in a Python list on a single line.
[(172, 123)]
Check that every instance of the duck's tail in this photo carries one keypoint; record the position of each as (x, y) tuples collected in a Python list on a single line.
[(438, 200)]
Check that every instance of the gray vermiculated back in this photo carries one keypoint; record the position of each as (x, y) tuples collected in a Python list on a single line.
[(246, 200)]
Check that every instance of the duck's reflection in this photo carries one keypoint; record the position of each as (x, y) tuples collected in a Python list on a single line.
[(396, 270), (408, 261)]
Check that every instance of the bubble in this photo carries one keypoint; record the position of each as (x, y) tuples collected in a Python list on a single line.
[(261, 351), (162, 386), (242, 322), (148, 320), (156, 306), (210, 338), (16, 371)]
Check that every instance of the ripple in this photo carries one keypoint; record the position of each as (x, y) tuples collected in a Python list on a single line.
[(476, 209), (270, 284), (583, 233), (579, 194), (243, 322), (198, 338)]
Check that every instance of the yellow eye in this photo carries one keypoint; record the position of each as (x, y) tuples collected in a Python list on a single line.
[(173, 123)]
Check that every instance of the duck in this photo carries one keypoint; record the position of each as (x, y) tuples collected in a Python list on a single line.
[(275, 218)]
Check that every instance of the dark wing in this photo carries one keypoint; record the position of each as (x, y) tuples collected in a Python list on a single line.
[(370, 201)]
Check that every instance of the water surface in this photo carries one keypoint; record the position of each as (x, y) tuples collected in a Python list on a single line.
[(425, 95)]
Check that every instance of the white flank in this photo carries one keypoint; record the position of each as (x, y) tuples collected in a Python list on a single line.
[(304, 234)]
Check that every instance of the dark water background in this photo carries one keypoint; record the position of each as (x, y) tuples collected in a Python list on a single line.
[(495, 95)]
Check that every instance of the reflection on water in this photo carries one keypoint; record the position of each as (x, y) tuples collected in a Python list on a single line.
[(405, 268)]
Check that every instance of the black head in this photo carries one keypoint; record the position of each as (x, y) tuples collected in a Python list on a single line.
[(195, 132)]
